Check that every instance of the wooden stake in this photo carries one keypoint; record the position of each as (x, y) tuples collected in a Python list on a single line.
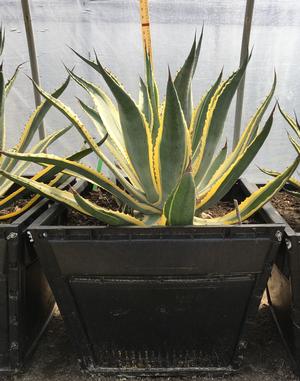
[(236, 205), (145, 24)]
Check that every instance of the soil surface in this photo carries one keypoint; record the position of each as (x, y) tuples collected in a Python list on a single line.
[(18, 204), (288, 206), (265, 357), (102, 198), (99, 197)]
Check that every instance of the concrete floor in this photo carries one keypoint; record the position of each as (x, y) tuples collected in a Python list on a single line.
[(55, 360)]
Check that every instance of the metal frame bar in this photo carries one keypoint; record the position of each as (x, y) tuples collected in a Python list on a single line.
[(243, 56), (33, 58)]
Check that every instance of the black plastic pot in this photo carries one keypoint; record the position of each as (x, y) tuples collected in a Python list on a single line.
[(284, 288), (172, 300), (26, 301)]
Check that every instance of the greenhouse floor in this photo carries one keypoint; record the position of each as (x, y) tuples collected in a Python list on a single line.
[(54, 358)]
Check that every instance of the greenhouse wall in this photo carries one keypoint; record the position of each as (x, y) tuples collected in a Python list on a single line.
[(112, 28)]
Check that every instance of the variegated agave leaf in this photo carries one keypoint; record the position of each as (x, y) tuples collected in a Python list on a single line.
[(12, 165), (293, 184), (50, 174), (166, 155)]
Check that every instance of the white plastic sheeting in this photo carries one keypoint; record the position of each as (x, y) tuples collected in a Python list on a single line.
[(112, 28)]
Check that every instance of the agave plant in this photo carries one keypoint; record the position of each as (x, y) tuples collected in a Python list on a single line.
[(166, 155), (14, 166), (294, 183)]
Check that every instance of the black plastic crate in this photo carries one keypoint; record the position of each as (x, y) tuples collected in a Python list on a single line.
[(26, 301), (283, 291), (157, 301)]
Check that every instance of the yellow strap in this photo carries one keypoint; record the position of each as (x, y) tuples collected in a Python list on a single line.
[(145, 23)]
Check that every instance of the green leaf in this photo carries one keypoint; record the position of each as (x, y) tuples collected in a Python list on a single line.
[(227, 180), (46, 175), (87, 173), (293, 193), (200, 115), (37, 117), (257, 199), (180, 206), (295, 144), (145, 103), (153, 97), (183, 80), (106, 110), (11, 81), (292, 180), (214, 121), (123, 161), (50, 192), (247, 137), (136, 132), (215, 164), (68, 112), (110, 217), (173, 143), (19, 169), (293, 123)]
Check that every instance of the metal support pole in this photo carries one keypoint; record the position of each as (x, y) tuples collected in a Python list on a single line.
[(244, 54), (33, 58)]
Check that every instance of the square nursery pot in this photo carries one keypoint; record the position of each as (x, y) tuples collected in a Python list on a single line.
[(160, 301), (283, 289), (26, 301)]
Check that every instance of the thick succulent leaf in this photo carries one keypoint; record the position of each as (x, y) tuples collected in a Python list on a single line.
[(74, 119), (172, 148), (21, 210), (153, 97), (215, 164), (145, 103), (36, 118), (11, 81), (68, 198), (252, 127), (247, 137), (199, 116), (42, 189), (31, 127), (136, 132), (151, 219), (5, 184), (88, 174), (183, 80), (121, 157), (105, 108), (29, 203), (2, 109), (179, 209), (137, 135), (214, 121), (293, 123), (295, 144), (227, 180), (110, 217), (293, 193), (292, 180), (45, 175), (257, 199)]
